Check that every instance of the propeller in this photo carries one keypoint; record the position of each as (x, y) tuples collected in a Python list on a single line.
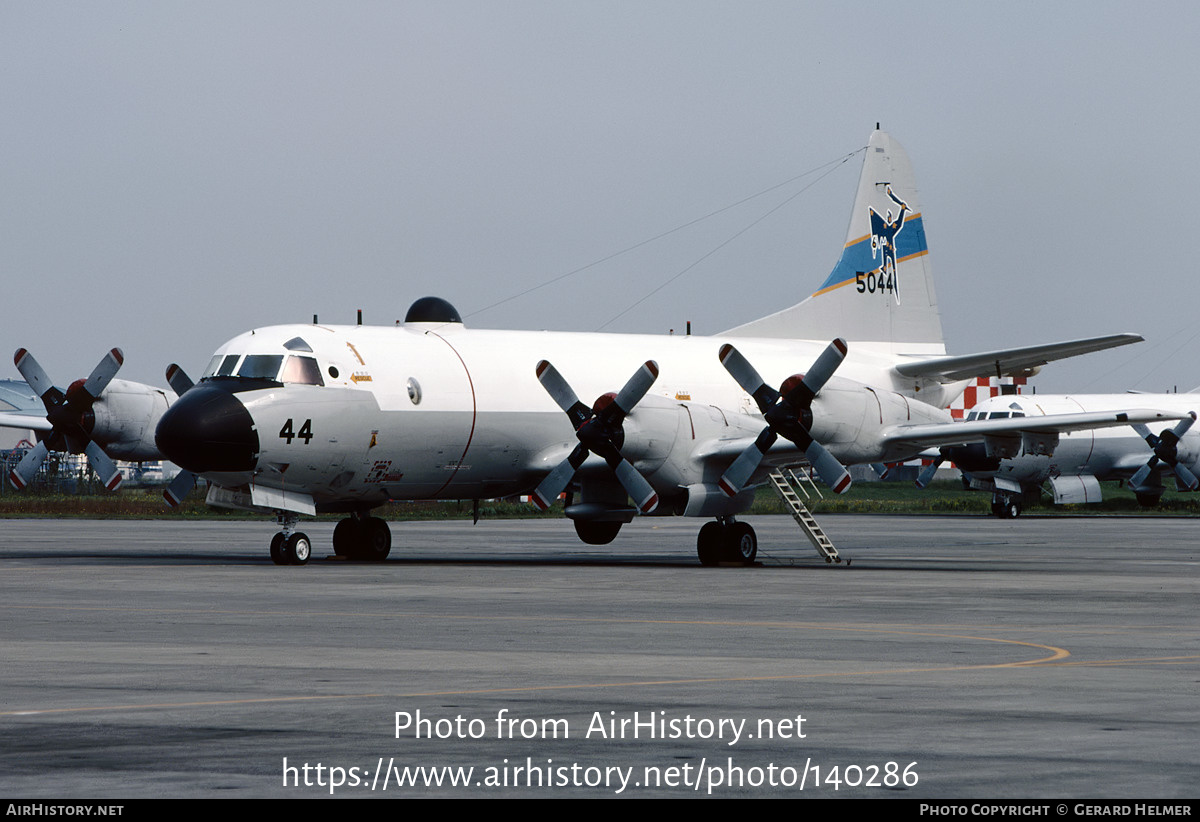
[(1166, 450), (184, 481), (599, 431), (927, 473), (71, 417), (788, 413)]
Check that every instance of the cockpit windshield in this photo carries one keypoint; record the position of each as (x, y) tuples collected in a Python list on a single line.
[(281, 368)]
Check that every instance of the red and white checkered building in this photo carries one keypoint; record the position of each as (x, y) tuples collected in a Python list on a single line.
[(984, 388)]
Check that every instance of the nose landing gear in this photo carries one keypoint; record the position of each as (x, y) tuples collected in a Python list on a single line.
[(289, 546)]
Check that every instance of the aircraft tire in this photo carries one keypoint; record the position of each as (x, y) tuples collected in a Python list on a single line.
[(709, 543), (375, 540), (1148, 500), (277, 549), (297, 549), (741, 543), (597, 533), (1007, 507), (347, 537)]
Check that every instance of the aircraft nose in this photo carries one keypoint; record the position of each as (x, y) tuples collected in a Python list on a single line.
[(208, 429)]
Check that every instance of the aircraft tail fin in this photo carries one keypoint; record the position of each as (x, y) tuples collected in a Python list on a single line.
[(881, 289)]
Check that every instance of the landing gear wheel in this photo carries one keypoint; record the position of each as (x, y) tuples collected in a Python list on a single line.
[(376, 540), (1147, 500), (741, 543), (297, 549), (708, 543), (347, 536), (277, 549), (597, 533), (1006, 507)]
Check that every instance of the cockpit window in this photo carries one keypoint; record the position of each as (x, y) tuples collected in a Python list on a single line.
[(260, 366), (295, 369), (972, 415), (303, 370), (998, 415)]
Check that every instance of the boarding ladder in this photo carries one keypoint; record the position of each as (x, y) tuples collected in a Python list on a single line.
[(800, 513)]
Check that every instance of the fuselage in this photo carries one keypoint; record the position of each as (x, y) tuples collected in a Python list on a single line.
[(356, 415)]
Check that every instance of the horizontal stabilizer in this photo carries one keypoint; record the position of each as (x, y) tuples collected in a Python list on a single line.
[(1010, 361)]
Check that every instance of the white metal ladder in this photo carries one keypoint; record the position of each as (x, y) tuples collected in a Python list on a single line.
[(803, 517)]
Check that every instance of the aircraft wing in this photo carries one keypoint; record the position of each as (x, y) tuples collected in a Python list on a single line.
[(926, 435), (30, 421), (1009, 361)]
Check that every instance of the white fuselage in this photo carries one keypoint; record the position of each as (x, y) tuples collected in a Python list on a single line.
[(438, 410)]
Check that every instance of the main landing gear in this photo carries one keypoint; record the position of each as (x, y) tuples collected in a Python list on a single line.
[(289, 546), (364, 538), (727, 541), (1006, 505)]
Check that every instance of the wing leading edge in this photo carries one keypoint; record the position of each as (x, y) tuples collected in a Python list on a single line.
[(1008, 361), (920, 437)]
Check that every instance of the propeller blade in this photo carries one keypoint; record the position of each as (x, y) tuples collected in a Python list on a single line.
[(179, 488), (33, 373), (643, 494), (178, 380), (1144, 433), (636, 388), (103, 373), (1184, 424), (557, 480), (748, 378), (562, 394), (28, 467), (832, 472), (103, 465), (739, 473), (819, 374), (1138, 480), (928, 472), (1186, 477)]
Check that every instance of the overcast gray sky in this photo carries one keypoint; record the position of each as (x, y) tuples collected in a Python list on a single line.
[(172, 174)]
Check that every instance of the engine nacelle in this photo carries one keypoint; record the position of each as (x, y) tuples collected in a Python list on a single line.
[(124, 417), (849, 419)]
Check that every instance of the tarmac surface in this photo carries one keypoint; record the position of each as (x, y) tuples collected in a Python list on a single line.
[(956, 657)]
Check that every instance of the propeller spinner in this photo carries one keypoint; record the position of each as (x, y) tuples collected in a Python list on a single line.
[(599, 430), (788, 413), (71, 416)]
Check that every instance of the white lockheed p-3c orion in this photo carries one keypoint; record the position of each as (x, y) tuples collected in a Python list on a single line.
[(301, 419)]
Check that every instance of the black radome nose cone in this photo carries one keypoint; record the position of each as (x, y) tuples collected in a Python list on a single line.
[(207, 430)]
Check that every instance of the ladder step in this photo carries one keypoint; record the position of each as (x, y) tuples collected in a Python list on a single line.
[(804, 518)]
